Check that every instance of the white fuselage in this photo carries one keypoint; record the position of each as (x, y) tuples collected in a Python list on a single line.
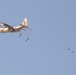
[(16, 29)]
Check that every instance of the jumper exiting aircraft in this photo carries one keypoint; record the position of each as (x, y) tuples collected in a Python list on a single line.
[(7, 28)]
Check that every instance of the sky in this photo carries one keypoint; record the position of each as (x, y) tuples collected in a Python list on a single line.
[(53, 24)]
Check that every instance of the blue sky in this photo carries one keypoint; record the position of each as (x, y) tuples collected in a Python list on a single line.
[(53, 24)]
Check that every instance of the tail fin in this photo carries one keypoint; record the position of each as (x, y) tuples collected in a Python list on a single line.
[(24, 23)]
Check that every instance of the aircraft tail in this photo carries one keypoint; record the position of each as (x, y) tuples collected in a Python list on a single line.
[(25, 24)]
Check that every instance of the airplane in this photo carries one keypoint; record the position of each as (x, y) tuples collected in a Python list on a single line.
[(7, 28)]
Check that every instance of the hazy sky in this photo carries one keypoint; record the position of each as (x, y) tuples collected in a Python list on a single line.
[(53, 24)]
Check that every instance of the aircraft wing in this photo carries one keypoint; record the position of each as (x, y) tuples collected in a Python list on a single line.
[(6, 26)]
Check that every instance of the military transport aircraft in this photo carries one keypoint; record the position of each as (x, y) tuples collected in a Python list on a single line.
[(7, 28)]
